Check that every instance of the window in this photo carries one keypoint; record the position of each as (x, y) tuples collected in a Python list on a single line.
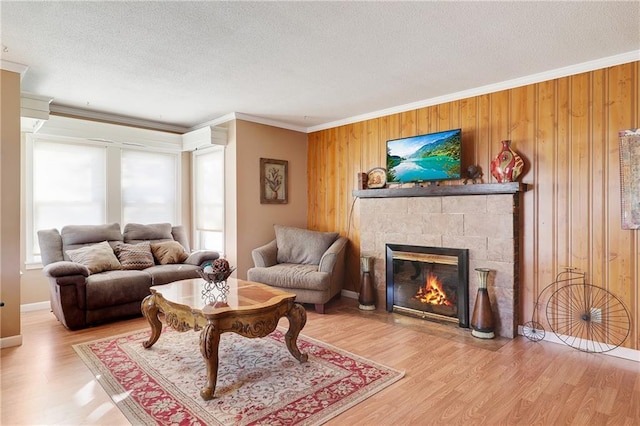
[(148, 187), (68, 186), (72, 182), (208, 195)]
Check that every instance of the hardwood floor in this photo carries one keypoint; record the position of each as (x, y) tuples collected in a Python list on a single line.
[(451, 377)]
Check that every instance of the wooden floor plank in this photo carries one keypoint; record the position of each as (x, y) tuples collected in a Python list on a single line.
[(451, 377)]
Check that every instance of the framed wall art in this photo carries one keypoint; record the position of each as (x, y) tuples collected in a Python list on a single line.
[(273, 181), (630, 178)]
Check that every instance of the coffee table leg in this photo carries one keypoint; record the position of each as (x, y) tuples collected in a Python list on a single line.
[(209, 340), (150, 311), (297, 317)]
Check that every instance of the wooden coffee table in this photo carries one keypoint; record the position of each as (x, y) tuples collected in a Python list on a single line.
[(249, 309)]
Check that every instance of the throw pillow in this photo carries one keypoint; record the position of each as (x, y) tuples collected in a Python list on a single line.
[(169, 252), (134, 256), (96, 257), (302, 246)]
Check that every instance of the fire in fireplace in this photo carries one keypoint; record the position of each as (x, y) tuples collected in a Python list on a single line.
[(428, 282)]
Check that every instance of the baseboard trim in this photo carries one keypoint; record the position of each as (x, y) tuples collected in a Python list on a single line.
[(11, 341), (619, 352), (39, 306), (349, 294)]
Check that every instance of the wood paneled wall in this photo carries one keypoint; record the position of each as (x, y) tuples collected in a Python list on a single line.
[(566, 130)]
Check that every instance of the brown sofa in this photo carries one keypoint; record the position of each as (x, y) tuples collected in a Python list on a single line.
[(113, 270)]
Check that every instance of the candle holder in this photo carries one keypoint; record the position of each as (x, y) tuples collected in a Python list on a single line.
[(366, 297), (482, 323)]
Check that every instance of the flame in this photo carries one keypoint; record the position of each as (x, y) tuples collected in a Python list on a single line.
[(432, 292)]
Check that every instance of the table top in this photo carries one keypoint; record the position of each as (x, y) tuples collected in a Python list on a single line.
[(238, 294)]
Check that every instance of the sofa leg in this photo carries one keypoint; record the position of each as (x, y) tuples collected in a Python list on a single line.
[(319, 308)]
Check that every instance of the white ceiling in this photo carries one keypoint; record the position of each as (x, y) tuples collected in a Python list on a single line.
[(307, 65)]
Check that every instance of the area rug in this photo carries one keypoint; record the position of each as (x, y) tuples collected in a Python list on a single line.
[(259, 382)]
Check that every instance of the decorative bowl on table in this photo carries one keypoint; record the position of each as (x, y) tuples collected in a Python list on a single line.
[(217, 272), (215, 288)]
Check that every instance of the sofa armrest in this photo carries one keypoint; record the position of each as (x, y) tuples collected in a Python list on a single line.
[(65, 268), (199, 257), (334, 253), (266, 255)]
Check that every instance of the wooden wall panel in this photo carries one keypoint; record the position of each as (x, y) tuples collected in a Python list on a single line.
[(566, 130), (544, 210)]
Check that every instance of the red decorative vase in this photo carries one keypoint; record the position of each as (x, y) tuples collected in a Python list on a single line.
[(507, 165)]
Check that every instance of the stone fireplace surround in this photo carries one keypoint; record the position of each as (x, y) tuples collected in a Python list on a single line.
[(483, 218)]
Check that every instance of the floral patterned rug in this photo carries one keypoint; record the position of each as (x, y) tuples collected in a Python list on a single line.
[(259, 382)]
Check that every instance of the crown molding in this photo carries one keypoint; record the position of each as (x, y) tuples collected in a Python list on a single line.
[(490, 88), (252, 118), (270, 122), (216, 121), (14, 67), (86, 114)]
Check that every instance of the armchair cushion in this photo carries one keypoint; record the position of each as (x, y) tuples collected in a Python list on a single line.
[(96, 257), (332, 255), (292, 277), (302, 246), (265, 256)]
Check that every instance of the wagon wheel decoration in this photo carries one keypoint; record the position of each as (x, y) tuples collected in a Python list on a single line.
[(588, 318), (534, 330)]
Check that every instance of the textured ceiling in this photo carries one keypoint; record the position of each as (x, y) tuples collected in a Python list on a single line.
[(301, 63)]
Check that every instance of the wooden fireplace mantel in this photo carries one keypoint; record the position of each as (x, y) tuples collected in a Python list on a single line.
[(443, 191)]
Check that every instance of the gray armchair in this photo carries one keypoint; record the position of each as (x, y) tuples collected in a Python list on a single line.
[(307, 263)]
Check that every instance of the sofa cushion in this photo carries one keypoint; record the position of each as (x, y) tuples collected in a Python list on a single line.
[(291, 276), (76, 236), (169, 252), (86, 234), (96, 257), (134, 256), (163, 274), (154, 232), (64, 268), (50, 243), (112, 288), (296, 245)]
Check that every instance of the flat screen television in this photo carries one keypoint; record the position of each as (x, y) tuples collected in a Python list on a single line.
[(425, 158)]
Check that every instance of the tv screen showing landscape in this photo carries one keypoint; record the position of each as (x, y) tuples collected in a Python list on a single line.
[(430, 157)]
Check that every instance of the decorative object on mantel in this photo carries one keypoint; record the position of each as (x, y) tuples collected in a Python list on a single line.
[(273, 181), (362, 180), (366, 297), (377, 178), (630, 178), (507, 165), (482, 320), (473, 173)]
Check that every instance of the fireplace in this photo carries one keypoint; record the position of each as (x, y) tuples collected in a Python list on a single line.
[(428, 282)]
